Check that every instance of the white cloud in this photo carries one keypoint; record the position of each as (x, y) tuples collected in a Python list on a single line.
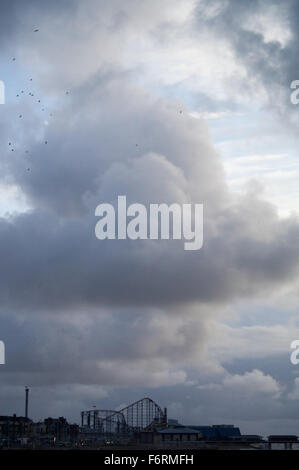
[(246, 385)]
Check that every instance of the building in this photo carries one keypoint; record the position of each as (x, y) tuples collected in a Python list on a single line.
[(17, 429), (14, 427), (59, 429), (176, 434), (218, 432)]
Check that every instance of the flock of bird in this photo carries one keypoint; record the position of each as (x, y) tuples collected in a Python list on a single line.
[(22, 93)]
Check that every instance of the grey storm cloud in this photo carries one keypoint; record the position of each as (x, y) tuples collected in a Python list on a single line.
[(270, 62), (18, 17), (82, 313), (51, 257)]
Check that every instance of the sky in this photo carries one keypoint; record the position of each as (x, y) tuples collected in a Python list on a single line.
[(174, 102)]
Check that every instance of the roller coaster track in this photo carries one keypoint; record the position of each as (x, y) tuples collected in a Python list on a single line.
[(140, 415)]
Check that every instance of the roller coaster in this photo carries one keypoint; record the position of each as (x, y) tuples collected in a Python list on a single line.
[(141, 415)]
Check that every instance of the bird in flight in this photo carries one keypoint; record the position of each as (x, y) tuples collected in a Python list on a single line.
[(36, 30), (43, 108)]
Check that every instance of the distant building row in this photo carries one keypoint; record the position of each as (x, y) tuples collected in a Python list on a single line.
[(19, 429)]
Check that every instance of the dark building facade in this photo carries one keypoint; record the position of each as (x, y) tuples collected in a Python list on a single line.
[(14, 427)]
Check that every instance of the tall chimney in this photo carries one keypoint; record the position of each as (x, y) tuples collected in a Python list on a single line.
[(26, 401)]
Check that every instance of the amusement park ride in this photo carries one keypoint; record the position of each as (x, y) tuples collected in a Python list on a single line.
[(142, 415)]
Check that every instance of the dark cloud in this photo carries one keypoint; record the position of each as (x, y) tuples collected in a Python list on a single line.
[(17, 18), (52, 258), (80, 316), (270, 62)]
